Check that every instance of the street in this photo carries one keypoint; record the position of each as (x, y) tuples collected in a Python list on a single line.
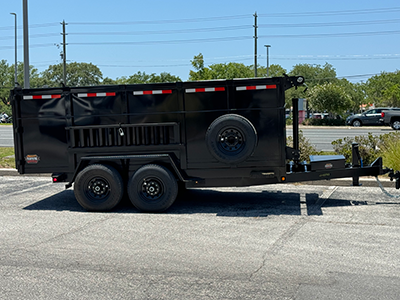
[(6, 136), (265, 242), (320, 137)]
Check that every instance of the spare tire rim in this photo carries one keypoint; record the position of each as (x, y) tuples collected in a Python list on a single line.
[(152, 188), (231, 140), (98, 188)]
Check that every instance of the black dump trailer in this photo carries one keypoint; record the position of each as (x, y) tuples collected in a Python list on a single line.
[(151, 140)]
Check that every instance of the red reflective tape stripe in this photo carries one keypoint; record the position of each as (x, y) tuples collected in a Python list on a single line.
[(56, 96), (147, 92), (110, 94), (200, 90), (36, 97), (219, 89), (167, 91), (91, 95), (271, 86), (250, 88)]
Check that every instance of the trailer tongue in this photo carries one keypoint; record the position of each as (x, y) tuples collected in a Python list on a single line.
[(151, 140)]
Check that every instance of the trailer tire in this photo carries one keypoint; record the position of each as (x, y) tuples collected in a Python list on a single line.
[(231, 139), (98, 188), (152, 188)]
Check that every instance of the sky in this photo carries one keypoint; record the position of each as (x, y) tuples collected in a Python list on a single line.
[(358, 38)]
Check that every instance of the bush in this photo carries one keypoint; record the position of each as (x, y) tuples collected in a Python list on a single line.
[(306, 148), (391, 155), (371, 147), (324, 122)]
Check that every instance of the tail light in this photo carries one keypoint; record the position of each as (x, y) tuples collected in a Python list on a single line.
[(382, 114)]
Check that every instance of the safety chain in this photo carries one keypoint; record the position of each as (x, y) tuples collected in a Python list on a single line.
[(384, 190)]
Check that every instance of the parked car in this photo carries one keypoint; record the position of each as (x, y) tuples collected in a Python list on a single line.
[(391, 117), (369, 118), (4, 118)]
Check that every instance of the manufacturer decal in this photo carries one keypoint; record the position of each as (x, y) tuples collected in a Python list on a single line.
[(328, 166), (32, 159)]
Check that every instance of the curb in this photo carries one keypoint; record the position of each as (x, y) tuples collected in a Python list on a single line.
[(14, 172)]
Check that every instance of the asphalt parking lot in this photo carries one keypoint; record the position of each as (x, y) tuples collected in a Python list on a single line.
[(265, 242)]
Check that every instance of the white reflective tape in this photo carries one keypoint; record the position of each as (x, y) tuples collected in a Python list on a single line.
[(157, 92), (190, 90), (101, 94), (241, 88), (28, 97), (138, 93), (82, 95)]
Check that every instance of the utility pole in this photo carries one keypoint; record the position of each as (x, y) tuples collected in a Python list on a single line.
[(255, 44), (26, 45), (16, 59), (267, 46), (64, 54)]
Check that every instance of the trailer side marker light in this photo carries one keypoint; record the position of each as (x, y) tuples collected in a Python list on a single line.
[(283, 178)]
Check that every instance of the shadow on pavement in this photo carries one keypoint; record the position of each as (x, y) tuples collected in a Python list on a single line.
[(221, 203)]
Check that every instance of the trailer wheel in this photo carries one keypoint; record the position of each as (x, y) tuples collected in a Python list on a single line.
[(231, 139), (152, 188), (98, 188)]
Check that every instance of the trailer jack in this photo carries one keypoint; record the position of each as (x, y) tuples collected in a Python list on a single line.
[(396, 176)]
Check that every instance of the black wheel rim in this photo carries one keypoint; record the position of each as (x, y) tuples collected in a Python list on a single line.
[(98, 188), (231, 140), (152, 188)]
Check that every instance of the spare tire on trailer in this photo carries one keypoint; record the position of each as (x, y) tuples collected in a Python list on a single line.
[(231, 139)]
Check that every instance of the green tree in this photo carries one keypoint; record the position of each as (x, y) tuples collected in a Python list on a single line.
[(313, 75), (7, 82), (142, 77), (356, 91), (77, 74), (274, 71), (384, 89), (329, 97)]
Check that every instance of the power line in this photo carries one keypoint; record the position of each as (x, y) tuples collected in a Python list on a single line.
[(334, 13), (204, 40), (175, 31), (30, 46), (324, 35), (330, 24), (31, 26), (191, 20), (32, 36)]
